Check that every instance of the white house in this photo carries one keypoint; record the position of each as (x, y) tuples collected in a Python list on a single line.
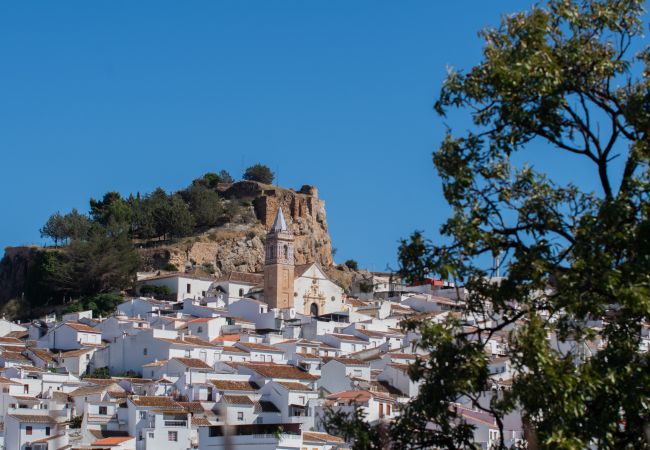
[(71, 336)]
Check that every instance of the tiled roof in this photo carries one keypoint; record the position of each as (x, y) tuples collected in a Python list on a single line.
[(318, 438), (237, 400), (193, 363), (200, 422), (194, 406), (14, 356), (346, 337), (243, 277), (113, 440), (269, 370), (153, 401), (32, 418), (294, 386), (358, 396), (260, 347), (42, 354), (233, 385), (87, 390), (188, 340), (346, 361), (82, 327)]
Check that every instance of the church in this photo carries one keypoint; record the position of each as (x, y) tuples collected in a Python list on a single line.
[(305, 288)]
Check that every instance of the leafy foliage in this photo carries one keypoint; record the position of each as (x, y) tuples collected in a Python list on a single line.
[(352, 264), (259, 172), (562, 76), (353, 428), (101, 373), (161, 292)]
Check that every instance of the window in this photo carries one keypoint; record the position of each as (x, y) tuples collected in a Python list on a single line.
[(5, 390), (189, 288), (240, 415), (241, 292), (103, 410), (145, 351), (188, 354), (388, 410), (26, 388), (199, 330), (150, 434), (143, 414), (202, 293), (47, 431), (172, 436), (381, 410), (301, 399), (28, 430)]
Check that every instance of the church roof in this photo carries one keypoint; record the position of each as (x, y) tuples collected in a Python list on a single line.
[(279, 224)]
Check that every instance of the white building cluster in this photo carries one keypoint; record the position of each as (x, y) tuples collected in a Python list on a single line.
[(228, 364)]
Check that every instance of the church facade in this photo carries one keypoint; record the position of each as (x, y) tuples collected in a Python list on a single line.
[(305, 288)]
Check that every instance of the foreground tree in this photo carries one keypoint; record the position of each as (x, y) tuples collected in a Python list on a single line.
[(564, 79)]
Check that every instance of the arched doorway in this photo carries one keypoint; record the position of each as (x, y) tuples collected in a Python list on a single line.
[(313, 310)]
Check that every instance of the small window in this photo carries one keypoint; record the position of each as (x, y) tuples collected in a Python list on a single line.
[(103, 410), (145, 351), (202, 293), (143, 414), (26, 388), (189, 288), (240, 415), (151, 435), (47, 431), (241, 292), (199, 330), (172, 436), (28, 430)]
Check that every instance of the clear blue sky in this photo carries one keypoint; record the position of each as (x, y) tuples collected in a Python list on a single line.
[(130, 95)]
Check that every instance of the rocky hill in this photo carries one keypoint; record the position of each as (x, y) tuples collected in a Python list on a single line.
[(239, 245)]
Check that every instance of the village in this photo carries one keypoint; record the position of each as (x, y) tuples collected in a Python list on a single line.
[(251, 360)]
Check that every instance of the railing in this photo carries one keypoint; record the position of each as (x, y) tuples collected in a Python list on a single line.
[(175, 423)]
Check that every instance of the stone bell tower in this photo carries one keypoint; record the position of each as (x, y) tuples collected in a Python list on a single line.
[(279, 264)]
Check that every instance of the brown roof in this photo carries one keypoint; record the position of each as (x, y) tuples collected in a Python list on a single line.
[(269, 370), (294, 386), (243, 277), (87, 390), (193, 363), (346, 337), (32, 418), (312, 436), (14, 356), (74, 353), (232, 385), (346, 361), (237, 400), (82, 327), (260, 347), (152, 401), (42, 354), (200, 422), (194, 406), (117, 440), (188, 340)]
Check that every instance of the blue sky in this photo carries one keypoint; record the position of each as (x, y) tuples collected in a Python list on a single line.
[(128, 96)]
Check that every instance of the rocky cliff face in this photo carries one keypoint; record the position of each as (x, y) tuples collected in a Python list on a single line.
[(240, 246)]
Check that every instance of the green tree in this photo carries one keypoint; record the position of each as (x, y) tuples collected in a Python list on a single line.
[(180, 220), (563, 78), (352, 264), (76, 225), (259, 172), (54, 228), (225, 177), (113, 212), (353, 428), (204, 205), (103, 263)]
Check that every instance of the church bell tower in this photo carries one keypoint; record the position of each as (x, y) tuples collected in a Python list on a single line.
[(279, 264)]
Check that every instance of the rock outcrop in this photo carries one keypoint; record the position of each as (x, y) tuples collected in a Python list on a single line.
[(240, 246)]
